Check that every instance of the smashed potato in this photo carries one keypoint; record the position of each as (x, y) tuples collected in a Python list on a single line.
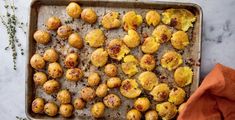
[(131, 20), (181, 107), (75, 40), (99, 57), (53, 23), (101, 90), (50, 55), (180, 40), (42, 37), (148, 80), (74, 74), (89, 15), (151, 115), (171, 60), (177, 96), (39, 78), (110, 20), (71, 60), (162, 33), (93, 79), (132, 40), (55, 70), (166, 110), (129, 67), (37, 61), (51, 109), (51, 86), (95, 38), (110, 70), (97, 110), (133, 114), (147, 62), (183, 76), (160, 92), (64, 96), (153, 17), (117, 49), (79, 104), (87, 93), (142, 104), (66, 110), (114, 82), (112, 101), (150, 45), (37, 105), (74, 10), (129, 88), (181, 19), (64, 31)]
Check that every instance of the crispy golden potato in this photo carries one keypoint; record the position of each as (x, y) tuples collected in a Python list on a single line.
[(110, 70), (131, 20), (74, 10), (71, 60), (55, 70), (179, 40), (133, 114), (79, 104), (117, 49), (183, 76), (132, 40), (114, 82), (101, 90), (75, 40), (177, 96), (162, 33), (37, 105), (66, 110), (50, 55), (74, 74), (181, 19), (110, 20), (51, 109), (153, 18), (87, 93), (39, 78), (97, 110), (53, 23), (112, 101), (171, 60), (147, 62), (150, 45), (42, 37), (129, 67), (37, 61), (151, 115), (148, 80), (95, 38), (64, 31), (181, 107), (93, 79), (142, 104), (99, 57), (64, 96), (166, 110), (89, 15), (160, 92), (129, 88), (51, 86)]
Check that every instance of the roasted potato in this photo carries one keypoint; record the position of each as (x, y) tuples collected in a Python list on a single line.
[(110, 20), (87, 93), (129, 65), (79, 104), (162, 33), (152, 18), (147, 62), (129, 88), (101, 90), (74, 74), (132, 40), (89, 15), (110, 70), (53, 23), (114, 82), (93, 79), (39, 78), (74, 10), (166, 110), (99, 57), (150, 45), (64, 96), (112, 101), (160, 92), (183, 76), (66, 110), (51, 109), (95, 38), (177, 96), (64, 31), (181, 107), (97, 110), (151, 115), (55, 70), (42, 37), (37, 61), (51, 86), (131, 20), (117, 49), (133, 114), (180, 40), (148, 80), (75, 40), (142, 104), (50, 55), (38, 105), (71, 60), (171, 60)]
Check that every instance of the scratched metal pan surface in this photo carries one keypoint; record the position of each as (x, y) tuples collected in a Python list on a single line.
[(41, 10)]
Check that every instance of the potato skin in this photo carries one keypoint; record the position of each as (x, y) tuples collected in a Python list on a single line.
[(166, 110), (114, 82), (51, 86), (110, 70), (55, 70), (95, 38), (53, 23), (160, 92), (71, 60), (75, 40), (99, 57), (112, 101), (73, 10), (64, 31), (74, 74), (129, 88), (87, 93), (151, 115), (39, 78), (50, 55), (38, 105), (64, 96), (66, 110), (89, 15), (133, 114), (102, 90), (37, 62), (42, 37), (142, 104), (51, 109), (147, 62), (79, 104), (93, 79), (97, 110)]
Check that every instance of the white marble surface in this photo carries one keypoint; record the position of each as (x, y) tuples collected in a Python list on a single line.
[(218, 46)]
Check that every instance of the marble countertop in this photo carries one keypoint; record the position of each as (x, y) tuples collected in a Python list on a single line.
[(218, 46)]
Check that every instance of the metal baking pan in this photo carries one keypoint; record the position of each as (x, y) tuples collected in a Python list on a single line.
[(40, 10)]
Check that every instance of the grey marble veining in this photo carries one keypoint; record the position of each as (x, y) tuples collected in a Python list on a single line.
[(218, 46)]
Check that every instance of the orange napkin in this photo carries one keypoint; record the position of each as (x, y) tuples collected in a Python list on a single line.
[(214, 99)]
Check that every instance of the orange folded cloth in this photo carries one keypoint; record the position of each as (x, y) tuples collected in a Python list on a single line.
[(214, 99)]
